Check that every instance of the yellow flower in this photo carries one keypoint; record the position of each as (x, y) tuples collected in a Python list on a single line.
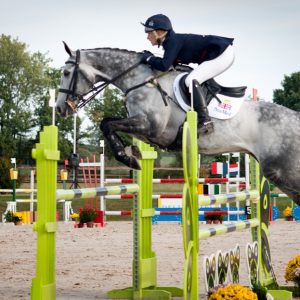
[(233, 292), (287, 212), (74, 216), (292, 266)]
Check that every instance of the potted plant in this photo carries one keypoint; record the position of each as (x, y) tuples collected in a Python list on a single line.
[(292, 271), (74, 217), (88, 216), (13, 217), (213, 217), (9, 216), (232, 291), (287, 213)]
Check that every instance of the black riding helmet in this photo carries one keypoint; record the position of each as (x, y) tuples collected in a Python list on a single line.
[(157, 22)]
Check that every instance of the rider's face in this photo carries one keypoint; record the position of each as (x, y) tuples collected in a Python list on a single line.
[(152, 37)]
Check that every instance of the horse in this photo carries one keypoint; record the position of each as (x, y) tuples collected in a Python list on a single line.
[(267, 131)]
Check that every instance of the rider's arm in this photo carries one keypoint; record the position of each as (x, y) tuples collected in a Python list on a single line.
[(172, 47)]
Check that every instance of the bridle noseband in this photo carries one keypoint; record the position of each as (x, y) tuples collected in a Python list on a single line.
[(73, 97)]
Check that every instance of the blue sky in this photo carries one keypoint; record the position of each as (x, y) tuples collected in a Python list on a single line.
[(266, 32)]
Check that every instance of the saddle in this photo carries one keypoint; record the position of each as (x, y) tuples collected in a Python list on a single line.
[(211, 90)]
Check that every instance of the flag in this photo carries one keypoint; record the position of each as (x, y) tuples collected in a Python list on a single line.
[(233, 170), (254, 94), (219, 168)]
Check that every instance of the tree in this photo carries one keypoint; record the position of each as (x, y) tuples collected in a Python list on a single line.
[(22, 79), (289, 95), (110, 104), (43, 115), (25, 79)]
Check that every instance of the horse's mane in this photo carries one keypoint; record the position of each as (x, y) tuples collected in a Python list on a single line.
[(111, 49)]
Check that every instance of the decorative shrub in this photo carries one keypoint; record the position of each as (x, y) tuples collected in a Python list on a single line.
[(233, 292), (287, 212), (214, 217), (292, 271), (13, 217), (87, 215)]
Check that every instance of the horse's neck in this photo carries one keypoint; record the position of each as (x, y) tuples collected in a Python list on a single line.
[(113, 62)]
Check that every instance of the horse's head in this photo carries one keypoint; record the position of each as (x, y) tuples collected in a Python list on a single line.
[(85, 68), (77, 81)]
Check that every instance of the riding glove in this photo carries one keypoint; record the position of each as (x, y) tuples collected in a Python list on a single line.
[(146, 56)]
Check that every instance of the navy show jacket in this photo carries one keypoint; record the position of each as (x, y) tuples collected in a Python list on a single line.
[(189, 48)]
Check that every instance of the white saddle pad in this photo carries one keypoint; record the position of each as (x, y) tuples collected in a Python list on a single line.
[(227, 109)]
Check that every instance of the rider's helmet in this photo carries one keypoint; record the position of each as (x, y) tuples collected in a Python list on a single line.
[(157, 22)]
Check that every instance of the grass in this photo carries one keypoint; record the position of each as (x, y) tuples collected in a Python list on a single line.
[(117, 205)]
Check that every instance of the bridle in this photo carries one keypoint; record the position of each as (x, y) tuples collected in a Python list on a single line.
[(76, 101)]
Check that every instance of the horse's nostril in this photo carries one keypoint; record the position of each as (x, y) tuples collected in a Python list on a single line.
[(58, 109)]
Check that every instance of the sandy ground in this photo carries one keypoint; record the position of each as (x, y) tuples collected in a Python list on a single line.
[(92, 261)]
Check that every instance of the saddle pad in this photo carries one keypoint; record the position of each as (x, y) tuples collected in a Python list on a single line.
[(227, 109)]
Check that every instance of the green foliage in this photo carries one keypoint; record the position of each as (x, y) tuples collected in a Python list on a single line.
[(12, 217), (5, 166), (289, 95), (25, 79), (260, 291), (110, 104), (9, 216)]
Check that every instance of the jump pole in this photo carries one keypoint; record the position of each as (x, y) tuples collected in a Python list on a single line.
[(46, 155), (144, 285), (258, 224), (144, 273)]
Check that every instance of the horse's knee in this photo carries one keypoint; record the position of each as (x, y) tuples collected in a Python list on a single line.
[(105, 124)]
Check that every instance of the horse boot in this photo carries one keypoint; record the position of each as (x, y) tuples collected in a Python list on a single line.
[(205, 124)]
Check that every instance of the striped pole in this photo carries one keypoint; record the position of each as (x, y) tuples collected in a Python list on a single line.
[(177, 180), (98, 191), (226, 228)]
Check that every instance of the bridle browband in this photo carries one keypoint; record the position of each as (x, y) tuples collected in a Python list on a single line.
[(95, 89)]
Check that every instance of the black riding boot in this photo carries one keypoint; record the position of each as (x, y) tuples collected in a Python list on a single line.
[(205, 124)]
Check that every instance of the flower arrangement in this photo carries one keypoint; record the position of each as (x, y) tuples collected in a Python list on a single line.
[(87, 215), (287, 213), (74, 216), (210, 217), (292, 271), (233, 292), (13, 217)]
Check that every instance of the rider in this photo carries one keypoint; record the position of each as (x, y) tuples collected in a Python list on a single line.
[(213, 54)]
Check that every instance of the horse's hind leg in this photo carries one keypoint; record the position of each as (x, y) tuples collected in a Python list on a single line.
[(134, 125)]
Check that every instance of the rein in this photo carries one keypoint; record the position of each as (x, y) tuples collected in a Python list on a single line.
[(97, 89), (153, 80), (71, 90)]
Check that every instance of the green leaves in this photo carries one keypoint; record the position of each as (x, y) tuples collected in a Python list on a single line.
[(289, 95)]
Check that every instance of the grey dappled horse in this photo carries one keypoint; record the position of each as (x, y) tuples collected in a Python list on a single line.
[(269, 132)]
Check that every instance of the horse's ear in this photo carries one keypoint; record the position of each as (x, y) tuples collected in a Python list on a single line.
[(68, 50)]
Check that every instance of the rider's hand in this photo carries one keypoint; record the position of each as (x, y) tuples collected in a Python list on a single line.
[(146, 56)]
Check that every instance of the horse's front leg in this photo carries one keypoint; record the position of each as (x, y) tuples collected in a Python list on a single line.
[(136, 125)]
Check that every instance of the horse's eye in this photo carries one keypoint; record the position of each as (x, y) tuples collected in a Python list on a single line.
[(66, 73)]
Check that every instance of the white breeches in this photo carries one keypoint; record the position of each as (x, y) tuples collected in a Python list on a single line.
[(211, 68)]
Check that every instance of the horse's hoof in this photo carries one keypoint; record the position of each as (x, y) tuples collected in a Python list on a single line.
[(136, 152), (134, 164)]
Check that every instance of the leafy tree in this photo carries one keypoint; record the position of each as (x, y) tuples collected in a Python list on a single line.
[(289, 95), (110, 104), (43, 116), (22, 79)]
